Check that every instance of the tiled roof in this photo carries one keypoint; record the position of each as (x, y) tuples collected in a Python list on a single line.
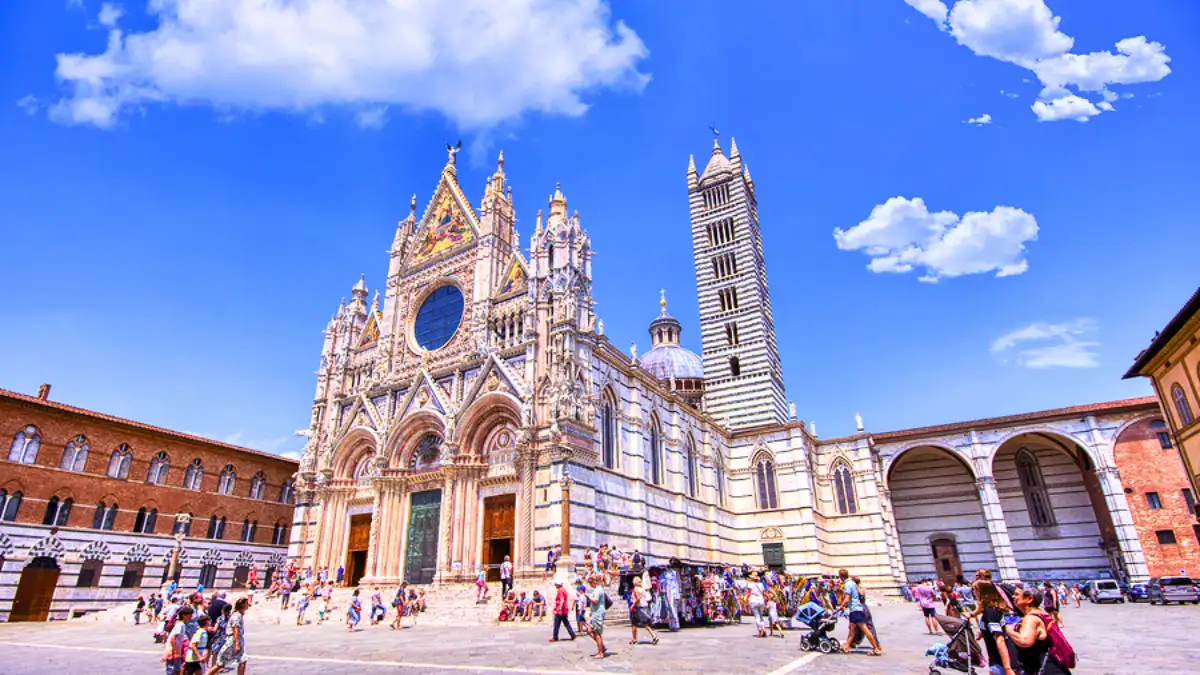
[(1089, 409), (62, 407), (1189, 309)]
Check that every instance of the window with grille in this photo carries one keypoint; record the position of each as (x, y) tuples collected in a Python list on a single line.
[(843, 489), (656, 460), (764, 482)]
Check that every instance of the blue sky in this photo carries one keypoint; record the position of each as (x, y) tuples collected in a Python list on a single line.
[(186, 200)]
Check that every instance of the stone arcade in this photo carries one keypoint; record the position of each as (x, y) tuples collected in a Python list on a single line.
[(448, 421)]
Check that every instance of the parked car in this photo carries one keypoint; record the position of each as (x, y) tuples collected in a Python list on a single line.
[(1138, 593), (1172, 589), (1105, 590)]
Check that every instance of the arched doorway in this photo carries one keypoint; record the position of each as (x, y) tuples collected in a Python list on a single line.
[(357, 543), (938, 517), (1054, 507), (498, 530), (35, 590)]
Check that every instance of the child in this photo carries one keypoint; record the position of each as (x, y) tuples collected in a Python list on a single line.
[(302, 607), (581, 603), (773, 612), (177, 642), (481, 589), (322, 609), (197, 653)]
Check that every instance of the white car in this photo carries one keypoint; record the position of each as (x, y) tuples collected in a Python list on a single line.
[(1105, 590)]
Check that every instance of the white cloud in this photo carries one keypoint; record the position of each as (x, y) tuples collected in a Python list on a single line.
[(934, 9), (29, 104), (1069, 107), (372, 118), (983, 119), (272, 445), (1026, 33), (901, 235), (109, 15), (1009, 94), (1049, 345), (478, 62)]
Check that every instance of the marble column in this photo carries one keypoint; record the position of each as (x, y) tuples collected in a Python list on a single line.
[(993, 516), (1127, 536), (527, 470), (446, 530), (376, 518)]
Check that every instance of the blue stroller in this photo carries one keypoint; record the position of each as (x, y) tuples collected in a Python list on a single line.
[(821, 622)]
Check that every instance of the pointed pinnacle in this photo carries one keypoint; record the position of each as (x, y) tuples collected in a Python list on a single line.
[(733, 149), (691, 164)]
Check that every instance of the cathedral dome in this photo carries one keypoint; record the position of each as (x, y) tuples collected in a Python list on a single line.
[(667, 359)]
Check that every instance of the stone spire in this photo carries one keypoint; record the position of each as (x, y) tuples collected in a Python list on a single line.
[(733, 150)]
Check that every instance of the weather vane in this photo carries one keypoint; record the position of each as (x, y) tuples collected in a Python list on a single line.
[(715, 133)]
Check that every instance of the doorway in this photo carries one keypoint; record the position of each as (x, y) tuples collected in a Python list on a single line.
[(498, 526), (946, 560), (35, 590), (420, 560), (359, 542)]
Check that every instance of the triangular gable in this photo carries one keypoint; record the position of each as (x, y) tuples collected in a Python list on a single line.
[(370, 334), (516, 279), (423, 395), (448, 223), (361, 414), (495, 375)]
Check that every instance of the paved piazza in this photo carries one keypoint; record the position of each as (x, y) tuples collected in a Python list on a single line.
[(1116, 639)]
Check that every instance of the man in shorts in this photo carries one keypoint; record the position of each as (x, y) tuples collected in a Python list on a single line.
[(852, 603)]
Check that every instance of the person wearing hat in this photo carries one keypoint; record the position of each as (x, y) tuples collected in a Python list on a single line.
[(562, 609), (758, 603)]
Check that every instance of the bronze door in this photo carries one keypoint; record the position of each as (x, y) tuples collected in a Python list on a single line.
[(420, 559), (35, 590), (499, 517), (356, 548)]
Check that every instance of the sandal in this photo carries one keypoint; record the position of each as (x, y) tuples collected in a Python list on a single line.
[(654, 641)]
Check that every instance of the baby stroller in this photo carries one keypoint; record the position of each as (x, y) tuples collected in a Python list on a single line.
[(821, 622), (961, 653)]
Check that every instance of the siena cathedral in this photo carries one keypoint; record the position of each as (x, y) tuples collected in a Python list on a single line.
[(449, 421)]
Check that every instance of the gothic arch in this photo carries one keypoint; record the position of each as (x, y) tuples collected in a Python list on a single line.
[(894, 459), (406, 436), (1125, 426), (1097, 460), (655, 453), (354, 445), (486, 413)]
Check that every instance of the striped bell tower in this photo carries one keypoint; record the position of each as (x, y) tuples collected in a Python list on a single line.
[(743, 380)]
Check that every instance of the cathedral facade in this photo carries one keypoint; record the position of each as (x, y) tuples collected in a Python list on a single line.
[(451, 418)]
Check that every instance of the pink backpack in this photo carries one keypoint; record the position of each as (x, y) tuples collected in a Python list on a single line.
[(1060, 650)]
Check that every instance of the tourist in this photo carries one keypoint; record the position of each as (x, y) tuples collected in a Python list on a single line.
[(197, 652), (866, 612), (322, 606), (302, 606), (177, 640), (378, 611), (506, 576), (399, 605), (550, 558), (581, 603), (233, 651), (598, 602), (1032, 635), (137, 611), (481, 589), (992, 606), (354, 611), (758, 604), (1076, 594), (639, 613), (772, 597), (216, 606), (949, 600), (341, 575), (537, 607), (285, 594), (508, 608), (523, 606), (562, 609), (1052, 602), (966, 598), (852, 603), (220, 632), (925, 600)]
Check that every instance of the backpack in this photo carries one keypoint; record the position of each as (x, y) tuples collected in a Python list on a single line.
[(607, 601), (1060, 650)]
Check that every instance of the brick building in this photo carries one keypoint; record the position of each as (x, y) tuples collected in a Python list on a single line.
[(1160, 497), (90, 506)]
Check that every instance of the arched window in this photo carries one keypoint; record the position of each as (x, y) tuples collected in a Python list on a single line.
[(843, 488), (258, 484), (719, 477), (364, 470), (10, 504), (427, 454), (735, 366), (689, 467), (119, 463), (159, 466), (58, 513), (25, 445), (279, 535), (764, 483), (656, 459), (212, 527), (1037, 498), (1182, 405), (139, 521), (287, 492), (249, 530), (608, 431), (225, 484), (75, 454), (193, 478), (110, 517)]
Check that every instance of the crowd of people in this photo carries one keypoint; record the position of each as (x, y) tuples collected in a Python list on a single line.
[(1020, 625), (201, 634)]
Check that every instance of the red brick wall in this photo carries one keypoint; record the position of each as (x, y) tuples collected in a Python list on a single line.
[(43, 480), (1146, 467)]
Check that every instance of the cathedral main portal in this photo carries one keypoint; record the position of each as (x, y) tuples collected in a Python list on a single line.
[(499, 516), (420, 563), (356, 548)]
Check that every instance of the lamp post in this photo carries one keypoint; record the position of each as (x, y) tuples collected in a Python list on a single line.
[(181, 522)]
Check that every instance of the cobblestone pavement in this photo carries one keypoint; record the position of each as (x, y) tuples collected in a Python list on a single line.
[(1116, 639)]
